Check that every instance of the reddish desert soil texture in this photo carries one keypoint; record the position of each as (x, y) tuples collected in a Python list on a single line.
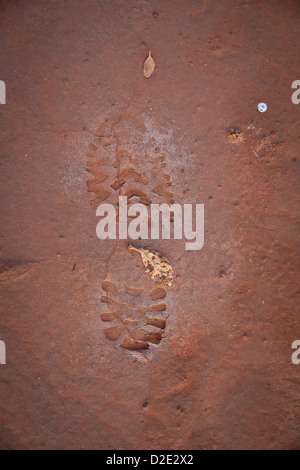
[(222, 376)]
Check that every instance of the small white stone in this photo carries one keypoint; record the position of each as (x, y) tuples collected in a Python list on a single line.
[(262, 107)]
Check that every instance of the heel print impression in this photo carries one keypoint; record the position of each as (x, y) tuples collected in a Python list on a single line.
[(136, 319)]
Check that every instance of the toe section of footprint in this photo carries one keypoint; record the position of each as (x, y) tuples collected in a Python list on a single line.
[(124, 159)]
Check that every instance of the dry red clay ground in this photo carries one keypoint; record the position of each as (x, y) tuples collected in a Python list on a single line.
[(219, 375)]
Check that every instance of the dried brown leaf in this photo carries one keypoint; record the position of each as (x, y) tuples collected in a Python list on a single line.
[(149, 66), (157, 266)]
